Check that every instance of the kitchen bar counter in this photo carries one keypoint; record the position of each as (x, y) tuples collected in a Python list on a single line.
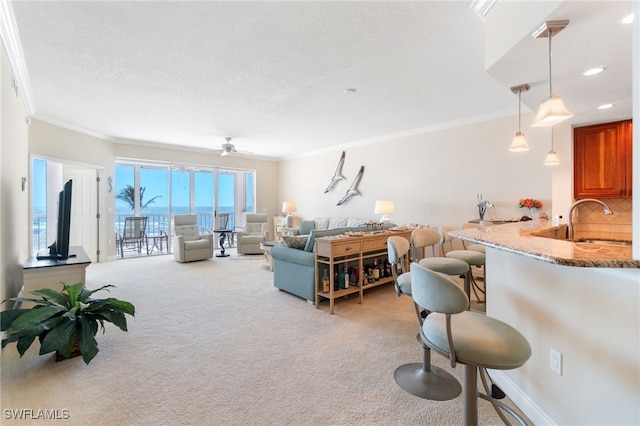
[(582, 300), (521, 238)]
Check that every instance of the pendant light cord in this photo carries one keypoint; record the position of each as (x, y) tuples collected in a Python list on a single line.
[(550, 35), (519, 109)]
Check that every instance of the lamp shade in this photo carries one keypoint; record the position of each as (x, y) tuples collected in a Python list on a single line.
[(551, 112), (289, 207), (552, 159), (384, 207), (519, 143)]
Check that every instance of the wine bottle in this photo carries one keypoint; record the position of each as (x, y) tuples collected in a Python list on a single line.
[(325, 282), (346, 278), (376, 270)]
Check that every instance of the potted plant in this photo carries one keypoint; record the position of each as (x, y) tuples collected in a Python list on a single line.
[(64, 321)]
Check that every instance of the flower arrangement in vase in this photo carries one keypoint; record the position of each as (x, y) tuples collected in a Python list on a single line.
[(530, 203)]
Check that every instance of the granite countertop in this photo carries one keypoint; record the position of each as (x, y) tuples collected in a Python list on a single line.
[(520, 238)]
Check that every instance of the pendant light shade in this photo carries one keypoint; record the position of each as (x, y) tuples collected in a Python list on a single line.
[(552, 111), (519, 143), (552, 157)]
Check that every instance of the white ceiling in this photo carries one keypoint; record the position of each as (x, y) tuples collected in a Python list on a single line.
[(272, 75)]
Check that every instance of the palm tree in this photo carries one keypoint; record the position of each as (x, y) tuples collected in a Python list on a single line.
[(127, 194)]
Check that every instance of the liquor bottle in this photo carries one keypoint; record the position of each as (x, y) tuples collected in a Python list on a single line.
[(342, 280), (346, 278), (325, 282), (376, 270), (352, 276), (336, 281)]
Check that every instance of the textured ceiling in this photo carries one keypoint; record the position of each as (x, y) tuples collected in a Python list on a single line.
[(272, 75)]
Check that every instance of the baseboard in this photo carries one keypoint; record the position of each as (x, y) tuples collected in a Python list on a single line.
[(522, 400)]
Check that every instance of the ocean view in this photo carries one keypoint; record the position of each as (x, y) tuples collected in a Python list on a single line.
[(158, 221)]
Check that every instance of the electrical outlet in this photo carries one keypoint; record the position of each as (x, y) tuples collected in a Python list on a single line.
[(556, 361)]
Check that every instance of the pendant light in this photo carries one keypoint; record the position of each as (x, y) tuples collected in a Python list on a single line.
[(552, 111), (519, 143), (552, 157)]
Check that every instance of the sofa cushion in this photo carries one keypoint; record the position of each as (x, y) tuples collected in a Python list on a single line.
[(337, 222), (189, 232), (321, 223), (196, 244), (296, 242), (306, 226), (352, 222)]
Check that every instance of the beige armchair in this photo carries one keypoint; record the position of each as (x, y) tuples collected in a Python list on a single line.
[(255, 232), (188, 245)]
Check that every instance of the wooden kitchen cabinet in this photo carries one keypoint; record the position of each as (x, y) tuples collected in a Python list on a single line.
[(602, 160)]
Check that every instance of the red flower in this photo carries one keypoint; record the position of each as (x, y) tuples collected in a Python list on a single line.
[(530, 203)]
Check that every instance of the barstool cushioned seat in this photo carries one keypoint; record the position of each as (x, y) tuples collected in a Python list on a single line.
[(472, 257), (449, 266), (478, 339)]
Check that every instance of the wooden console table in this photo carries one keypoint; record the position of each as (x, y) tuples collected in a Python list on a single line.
[(46, 273), (355, 250)]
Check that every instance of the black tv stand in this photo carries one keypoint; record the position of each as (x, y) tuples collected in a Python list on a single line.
[(52, 256)]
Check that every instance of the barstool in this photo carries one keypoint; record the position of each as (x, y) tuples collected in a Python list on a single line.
[(421, 380), (472, 258), (472, 339)]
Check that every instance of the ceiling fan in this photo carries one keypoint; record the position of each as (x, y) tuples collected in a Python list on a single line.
[(228, 148)]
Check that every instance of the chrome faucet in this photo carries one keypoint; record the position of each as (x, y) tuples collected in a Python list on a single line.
[(607, 211)]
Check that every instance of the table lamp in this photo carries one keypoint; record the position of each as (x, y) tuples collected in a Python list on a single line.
[(384, 208), (289, 207)]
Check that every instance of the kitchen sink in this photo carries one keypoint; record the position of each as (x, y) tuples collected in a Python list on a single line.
[(606, 242)]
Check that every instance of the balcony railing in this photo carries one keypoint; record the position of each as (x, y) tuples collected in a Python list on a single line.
[(39, 231), (162, 222), (155, 224)]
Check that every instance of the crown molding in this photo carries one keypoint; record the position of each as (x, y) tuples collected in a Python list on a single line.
[(11, 41)]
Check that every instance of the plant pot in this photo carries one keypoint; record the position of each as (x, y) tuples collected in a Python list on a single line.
[(75, 351)]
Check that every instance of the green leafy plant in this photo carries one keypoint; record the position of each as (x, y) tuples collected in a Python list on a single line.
[(62, 319)]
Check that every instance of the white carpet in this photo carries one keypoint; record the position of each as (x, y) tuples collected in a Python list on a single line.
[(214, 343)]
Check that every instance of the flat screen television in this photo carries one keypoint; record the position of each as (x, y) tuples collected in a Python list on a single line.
[(59, 250)]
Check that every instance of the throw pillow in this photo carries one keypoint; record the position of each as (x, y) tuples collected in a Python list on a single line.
[(297, 242)]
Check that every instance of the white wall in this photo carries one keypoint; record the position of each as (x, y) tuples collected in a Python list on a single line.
[(591, 316), (14, 224), (434, 177)]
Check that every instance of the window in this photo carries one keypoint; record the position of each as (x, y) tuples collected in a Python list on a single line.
[(165, 189)]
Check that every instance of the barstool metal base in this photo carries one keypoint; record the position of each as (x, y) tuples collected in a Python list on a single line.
[(433, 384)]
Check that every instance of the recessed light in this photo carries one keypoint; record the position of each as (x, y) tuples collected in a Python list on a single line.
[(350, 90), (593, 71), (605, 106), (628, 19)]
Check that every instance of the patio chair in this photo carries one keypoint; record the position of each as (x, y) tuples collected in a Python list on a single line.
[(134, 233)]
